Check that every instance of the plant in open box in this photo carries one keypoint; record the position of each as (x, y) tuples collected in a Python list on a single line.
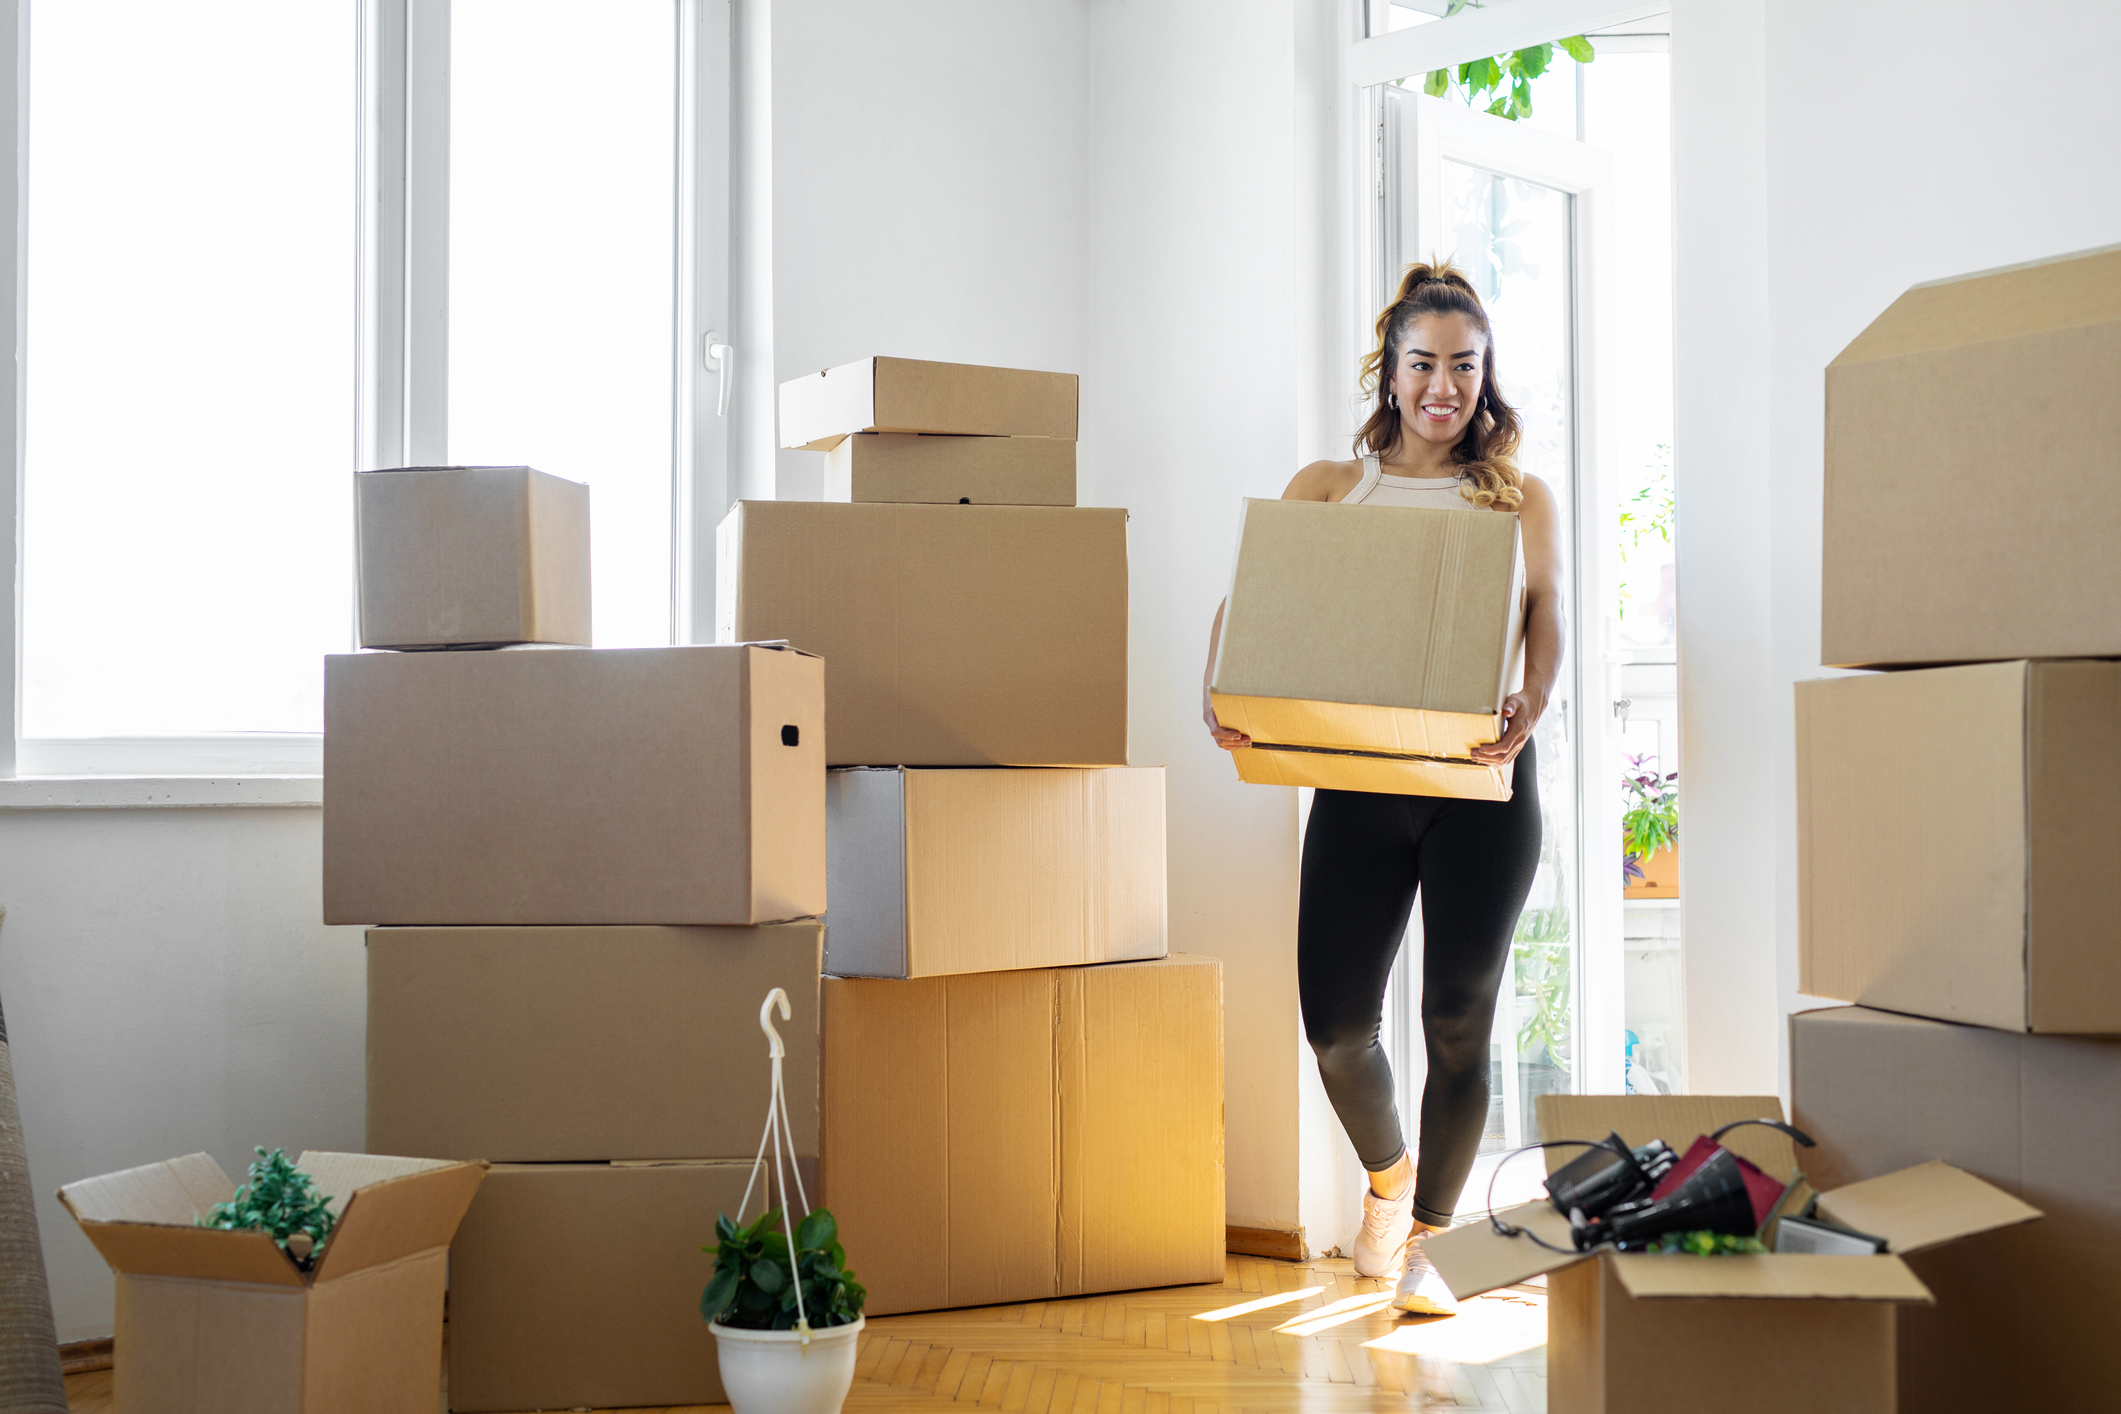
[(281, 1200), (785, 1312)]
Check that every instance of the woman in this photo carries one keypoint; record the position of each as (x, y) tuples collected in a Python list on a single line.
[(1441, 435)]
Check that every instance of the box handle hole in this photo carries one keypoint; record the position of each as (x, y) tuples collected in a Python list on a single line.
[(791, 735)]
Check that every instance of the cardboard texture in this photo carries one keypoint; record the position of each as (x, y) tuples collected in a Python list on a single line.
[(1637, 1331), (578, 1286), (547, 1044), (560, 786), (1334, 693), (970, 471), (934, 872), (957, 635), (1014, 1136), (2015, 1325), (471, 556), (1925, 557), (214, 1322), (1959, 843), (914, 395)]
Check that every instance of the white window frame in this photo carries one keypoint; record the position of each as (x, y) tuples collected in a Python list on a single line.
[(404, 368)]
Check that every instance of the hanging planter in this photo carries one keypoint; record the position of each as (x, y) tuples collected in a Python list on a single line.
[(785, 1312)]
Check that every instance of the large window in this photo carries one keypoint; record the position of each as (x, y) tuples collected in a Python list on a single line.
[(271, 244)]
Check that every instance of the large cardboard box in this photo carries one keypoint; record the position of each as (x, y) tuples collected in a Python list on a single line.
[(1014, 1136), (968, 471), (934, 872), (1655, 1334), (548, 786), (1954, 537), (471, 556), (545, 1044), (1959, 843), (1370, 647), (957, 635), (576, 1286), (216, 1322), (915, 395), (2022, 1320)]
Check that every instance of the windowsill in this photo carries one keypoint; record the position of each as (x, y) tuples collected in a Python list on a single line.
[(161, 792)]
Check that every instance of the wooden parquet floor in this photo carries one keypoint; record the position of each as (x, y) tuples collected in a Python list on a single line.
[(1309, 1336)]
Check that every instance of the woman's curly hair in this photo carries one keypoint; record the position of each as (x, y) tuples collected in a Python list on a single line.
[(1486, 454)]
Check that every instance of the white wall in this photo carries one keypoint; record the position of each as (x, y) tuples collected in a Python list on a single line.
[(168, 988), (1810, 194)]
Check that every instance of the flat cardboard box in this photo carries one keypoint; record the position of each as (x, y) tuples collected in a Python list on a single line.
[(914, 395), (2022, 1320), (957, 635), (558, 786), (547, 1044), (577, 1286), (1649, 1333), (471, 557), (1952, 536), (217, 1322), (1959, 843), (934, 872), (1334, 691), (1014, 1136), (941, 470)]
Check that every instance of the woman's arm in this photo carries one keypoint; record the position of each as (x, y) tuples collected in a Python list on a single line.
[(1540, 528)]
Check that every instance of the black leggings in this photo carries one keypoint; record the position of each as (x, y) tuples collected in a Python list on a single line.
[(1364, 857)]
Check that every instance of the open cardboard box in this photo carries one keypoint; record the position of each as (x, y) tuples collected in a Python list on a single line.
[(1334, 693), (1644, 1332), (217, 1322)]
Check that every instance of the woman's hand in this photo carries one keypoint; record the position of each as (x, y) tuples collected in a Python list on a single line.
[(1520, 713), (1228, 738)]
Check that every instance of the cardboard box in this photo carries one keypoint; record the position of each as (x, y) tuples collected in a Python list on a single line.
[(1014, 1136), (934, 872), (216, 1322), (2021, 1320), (914, 395), (965, 471), (1957, 538), (578, 1286), (471, 557), (545, 1044), (1762, 1334), (550, 786), (957, 635), (1337, 691), (1958, 833)]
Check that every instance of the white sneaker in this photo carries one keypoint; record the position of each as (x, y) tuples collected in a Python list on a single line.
[(1387, 1223), (1421, 1291)]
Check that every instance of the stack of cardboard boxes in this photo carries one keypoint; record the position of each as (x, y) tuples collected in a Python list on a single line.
[(1022, 1092), (1960, 826)]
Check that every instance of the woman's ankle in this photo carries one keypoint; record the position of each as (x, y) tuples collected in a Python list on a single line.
[(1394, 1182)]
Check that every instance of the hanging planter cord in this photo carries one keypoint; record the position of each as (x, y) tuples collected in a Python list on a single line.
[(776, 1137)]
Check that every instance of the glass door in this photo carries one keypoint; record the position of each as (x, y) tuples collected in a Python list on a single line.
[(1516, 210)]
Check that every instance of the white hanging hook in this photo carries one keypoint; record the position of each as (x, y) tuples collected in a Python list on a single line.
[(773, 1038)]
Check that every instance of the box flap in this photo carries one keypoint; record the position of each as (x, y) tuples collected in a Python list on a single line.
[(208, 1254), (1770, 1276), (1473, 1257), (388, 1207), (174, 1191), (1923, 1207), (1986, 306), (1676, 1119)]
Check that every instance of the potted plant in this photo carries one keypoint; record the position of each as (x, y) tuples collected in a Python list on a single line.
[(1649, 830), (787, 1331)]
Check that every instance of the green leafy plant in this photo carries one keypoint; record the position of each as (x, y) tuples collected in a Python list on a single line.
[(1648, 514), (1705, 1244), (1649, 820), (282, 1200), (754, 1282), (1543, 968), (1507, 76)]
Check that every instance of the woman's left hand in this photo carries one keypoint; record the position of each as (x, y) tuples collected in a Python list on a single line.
[(1519, 715)]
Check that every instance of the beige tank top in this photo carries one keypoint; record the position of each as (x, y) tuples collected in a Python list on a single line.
[(1439, 493)]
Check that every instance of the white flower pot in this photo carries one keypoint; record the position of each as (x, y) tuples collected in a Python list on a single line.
[(773, 1372)]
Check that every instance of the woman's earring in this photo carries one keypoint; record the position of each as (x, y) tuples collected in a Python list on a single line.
[(1393, 399)]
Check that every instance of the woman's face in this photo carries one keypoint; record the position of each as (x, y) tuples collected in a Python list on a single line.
[(1437, 376)]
